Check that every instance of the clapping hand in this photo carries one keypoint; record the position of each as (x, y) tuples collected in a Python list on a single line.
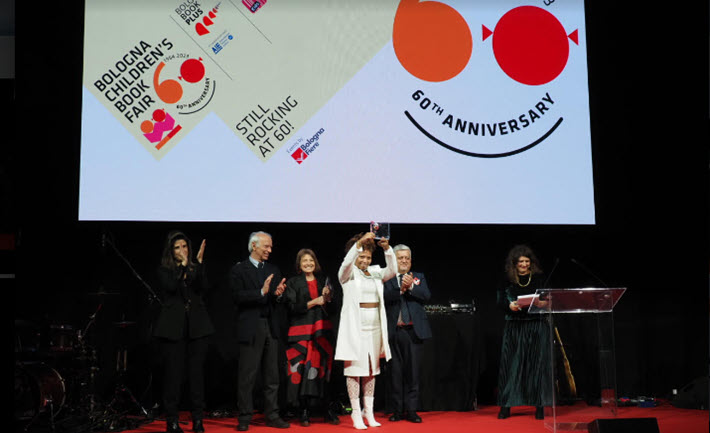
[(281, 287), (407, 282), (201, 252), (267, 285), (182, 258)]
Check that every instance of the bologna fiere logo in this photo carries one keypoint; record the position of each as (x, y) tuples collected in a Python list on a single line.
[(304, 148)]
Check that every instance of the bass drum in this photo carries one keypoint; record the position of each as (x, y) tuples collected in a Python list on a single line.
[(38, 388)]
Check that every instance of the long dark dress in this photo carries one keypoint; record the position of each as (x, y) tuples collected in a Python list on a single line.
[(524, 376), (310, 341)]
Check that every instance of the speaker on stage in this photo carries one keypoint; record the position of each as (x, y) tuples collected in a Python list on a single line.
[(624, 425), (693, 395)]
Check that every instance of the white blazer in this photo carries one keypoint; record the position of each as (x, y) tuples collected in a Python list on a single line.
[(348, 345)]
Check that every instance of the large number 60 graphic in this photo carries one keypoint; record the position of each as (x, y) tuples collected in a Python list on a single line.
[(170, 91), (433, 42)]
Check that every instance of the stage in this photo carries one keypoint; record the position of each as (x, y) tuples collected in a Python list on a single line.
[(670, 420)]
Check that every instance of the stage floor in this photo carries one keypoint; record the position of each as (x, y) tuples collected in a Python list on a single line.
[(670, 420)]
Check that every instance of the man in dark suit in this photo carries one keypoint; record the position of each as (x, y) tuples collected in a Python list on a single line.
[(407, 327), (257, 288)]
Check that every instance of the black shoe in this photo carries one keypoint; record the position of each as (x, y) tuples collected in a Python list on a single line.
[(413, 417), (396, 416), (243, 426), (539, 412), (174, 427), (331, 418), (504, 412), (277, 423), (197, 426), (305, 420)]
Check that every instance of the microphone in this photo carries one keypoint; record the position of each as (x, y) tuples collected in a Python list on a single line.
[(586, 269), (554, 267), (93, 316)]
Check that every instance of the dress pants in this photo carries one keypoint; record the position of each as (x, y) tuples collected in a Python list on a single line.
[(177, 354), (406, 350), (262, 352)]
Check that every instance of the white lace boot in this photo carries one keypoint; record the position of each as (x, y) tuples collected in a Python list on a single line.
[(356, 415), (369, 413)]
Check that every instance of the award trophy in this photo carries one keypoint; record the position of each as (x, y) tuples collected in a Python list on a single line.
[(381, 230)]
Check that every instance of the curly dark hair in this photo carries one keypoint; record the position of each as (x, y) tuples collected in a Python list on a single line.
[(516, 253), (368, 245)]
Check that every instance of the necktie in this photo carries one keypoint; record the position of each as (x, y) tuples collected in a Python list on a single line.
[(404, 309)]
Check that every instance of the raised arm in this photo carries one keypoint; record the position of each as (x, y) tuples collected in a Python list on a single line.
[(347, 268), (391, 270)]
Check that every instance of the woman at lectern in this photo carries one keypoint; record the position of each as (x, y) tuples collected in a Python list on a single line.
[(362, 335), (182, 327), (524, 373)]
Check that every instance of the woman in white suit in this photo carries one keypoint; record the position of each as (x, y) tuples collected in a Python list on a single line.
[(362, 335)]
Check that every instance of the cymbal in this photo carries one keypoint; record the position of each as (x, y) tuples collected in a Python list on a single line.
[(25, 323), (63, 327), (123, 324)]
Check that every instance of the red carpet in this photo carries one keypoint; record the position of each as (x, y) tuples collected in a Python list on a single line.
[(670, 420)]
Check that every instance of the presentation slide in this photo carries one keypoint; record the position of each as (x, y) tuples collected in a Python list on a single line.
[(401, 111)]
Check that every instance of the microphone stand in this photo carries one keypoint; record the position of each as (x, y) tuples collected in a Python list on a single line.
[(152, 297), (589, 271), (554, 267), (111, 418)]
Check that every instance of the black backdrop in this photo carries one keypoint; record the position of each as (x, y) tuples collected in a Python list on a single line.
[(649, 134)]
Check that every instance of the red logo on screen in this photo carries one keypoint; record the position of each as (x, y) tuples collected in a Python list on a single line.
[(253, 5), (201, 28), (299, 155), (155, 130)]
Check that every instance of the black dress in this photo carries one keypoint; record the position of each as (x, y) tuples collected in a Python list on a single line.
[(524, 377), (310, 342), (182, 328)]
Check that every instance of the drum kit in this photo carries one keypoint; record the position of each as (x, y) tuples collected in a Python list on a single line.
[(56, 369)]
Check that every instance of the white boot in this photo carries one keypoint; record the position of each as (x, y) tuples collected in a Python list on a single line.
[(356, 415), (369, 413)]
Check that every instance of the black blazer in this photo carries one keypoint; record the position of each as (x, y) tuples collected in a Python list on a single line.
[(414, 299), (175, 293), (250, 304)]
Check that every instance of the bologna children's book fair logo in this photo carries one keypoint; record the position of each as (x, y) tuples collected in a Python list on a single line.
[(530, 46), (153, 89)]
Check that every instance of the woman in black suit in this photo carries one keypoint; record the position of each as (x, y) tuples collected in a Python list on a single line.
[(310, 337), (182, 327)]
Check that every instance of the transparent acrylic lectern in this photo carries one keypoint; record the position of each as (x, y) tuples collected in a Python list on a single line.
[(594, 307)]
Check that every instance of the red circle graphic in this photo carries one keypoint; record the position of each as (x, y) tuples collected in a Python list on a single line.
[(192, 70), (530, 45)]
